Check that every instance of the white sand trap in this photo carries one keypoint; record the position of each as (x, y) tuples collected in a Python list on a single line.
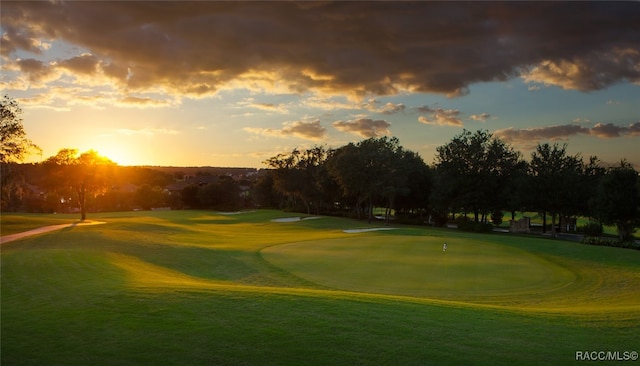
[(294, 219), (234, 213), (352, 231)]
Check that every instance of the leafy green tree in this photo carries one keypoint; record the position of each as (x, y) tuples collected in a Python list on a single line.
[(515, 190), (223, 194), (229, 196), (349, 168), (298, 175), (554, 178), (618, 200), (474, 170), (458, 172), (189, 196), (592, 174), (373, 171), (265, 194), (14, 146), (419, 183), (148, 197), (13, 142), (87, 175), (143, 175), (503, 169)]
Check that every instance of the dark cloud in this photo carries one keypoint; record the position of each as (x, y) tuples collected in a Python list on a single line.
[(85, 64), (423, 109), (534, 135), (364, 127), (531, 136), (13, 39), (30, 65), (634, 129), (354, 48), (609, 130), (606, 130), (593, 71), (35, 70)]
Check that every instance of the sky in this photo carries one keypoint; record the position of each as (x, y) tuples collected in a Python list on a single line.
[(209, 83)]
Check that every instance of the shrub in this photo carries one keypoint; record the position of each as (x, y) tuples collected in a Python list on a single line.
[(409, 219), (465, 224), (591, 240), (496, 217), (591, 229), (439, 219)]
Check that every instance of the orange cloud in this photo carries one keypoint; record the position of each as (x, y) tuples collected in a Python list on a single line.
[(593, 71), (441, 117), (482, 117), (364, 127), (310, 130)]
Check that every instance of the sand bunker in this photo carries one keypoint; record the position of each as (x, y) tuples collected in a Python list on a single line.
[(352, 231), (293, 219)]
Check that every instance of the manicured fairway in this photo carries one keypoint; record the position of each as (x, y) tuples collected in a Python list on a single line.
[(206, 288)]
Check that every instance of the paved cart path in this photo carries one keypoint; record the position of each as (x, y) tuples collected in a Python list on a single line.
[(45, 229)]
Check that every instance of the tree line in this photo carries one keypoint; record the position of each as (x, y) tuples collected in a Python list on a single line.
[(88, 182), (476, 175)]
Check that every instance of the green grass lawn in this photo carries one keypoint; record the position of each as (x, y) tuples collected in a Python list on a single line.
[(201, 288)]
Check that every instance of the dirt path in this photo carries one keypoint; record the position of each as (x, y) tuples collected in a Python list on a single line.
[(45, 229)]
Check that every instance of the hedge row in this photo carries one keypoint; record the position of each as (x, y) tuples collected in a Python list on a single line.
[(590, 240)]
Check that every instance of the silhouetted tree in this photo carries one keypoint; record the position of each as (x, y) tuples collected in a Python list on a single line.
[(592, 174), (13, 142), (474, 170), (264, 191), (297, 175), (618, 200), (419, 183), (87, 174), (373, 171), (148, 197), (554, 177), (223, 194), (13, 147), (189, 196)]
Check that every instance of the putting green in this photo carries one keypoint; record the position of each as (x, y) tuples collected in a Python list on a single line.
[(417, 266)]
